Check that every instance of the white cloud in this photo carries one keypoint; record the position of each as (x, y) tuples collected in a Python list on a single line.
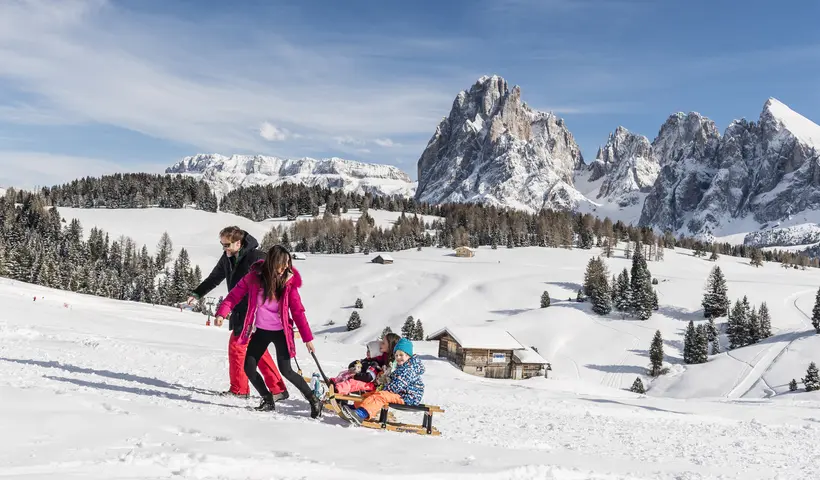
[(87, 61), (273, 133), (384, 142), (29, 170), (348, 140)]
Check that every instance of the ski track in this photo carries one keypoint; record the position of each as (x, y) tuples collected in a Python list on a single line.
[(769, 356)]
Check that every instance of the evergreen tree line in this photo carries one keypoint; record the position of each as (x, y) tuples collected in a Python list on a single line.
[(696, 342), (261, 202), (747, 325), (412, 330), (37, 246), (632, 295), (132, 190)]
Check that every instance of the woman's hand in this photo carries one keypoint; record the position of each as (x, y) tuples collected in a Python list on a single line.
[(309, 346), (218, 321)]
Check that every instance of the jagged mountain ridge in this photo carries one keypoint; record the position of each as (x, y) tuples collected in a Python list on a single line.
[(494, 149), (625, 167), (224, 174), (765, 171)]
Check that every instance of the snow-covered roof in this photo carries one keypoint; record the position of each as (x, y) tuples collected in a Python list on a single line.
[(481, 338), (298, 256), (385, 257), (528, 355)]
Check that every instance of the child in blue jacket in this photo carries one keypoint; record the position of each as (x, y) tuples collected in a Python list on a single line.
[(405, 385)]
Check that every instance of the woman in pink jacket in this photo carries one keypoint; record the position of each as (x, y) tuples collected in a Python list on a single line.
[(274, 306)]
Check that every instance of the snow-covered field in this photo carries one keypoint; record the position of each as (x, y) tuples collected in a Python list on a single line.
[(106, 389)]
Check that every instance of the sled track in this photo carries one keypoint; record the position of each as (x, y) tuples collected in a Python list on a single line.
[(612, 379), (764, 365)]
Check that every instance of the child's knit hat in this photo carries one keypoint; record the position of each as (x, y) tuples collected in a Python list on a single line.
[(405, 346), (374, 348)]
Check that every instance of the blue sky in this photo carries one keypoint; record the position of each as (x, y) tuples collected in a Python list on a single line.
[(89, 87)]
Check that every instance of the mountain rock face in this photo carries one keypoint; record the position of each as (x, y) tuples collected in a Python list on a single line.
[(224, 174), (767, 170), (627, 166), (686, 149), (803, 234), (494, 149)]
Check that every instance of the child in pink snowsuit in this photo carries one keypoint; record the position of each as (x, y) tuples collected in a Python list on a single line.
[(363, 375)]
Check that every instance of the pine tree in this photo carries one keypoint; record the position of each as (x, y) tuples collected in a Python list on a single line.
[(354, 321), (358, 303), (701, 351), (815, 313), (736, 326), (608, 248), (596, 286), (641, 287), (637, 386), (793, 385), (418, 331), (385, 332), (628, 250), (716, 346), (714, 255), (655, 305), (765, 321), (623, 296), (580, 297), (689, 344), (812, 379), (545, 299), (409, 328), (656, 355), (757, 258), (715, 299), (753, 327), (165, 248)]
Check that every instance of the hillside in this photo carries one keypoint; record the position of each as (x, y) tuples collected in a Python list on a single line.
[(502, 288), (97, 388)]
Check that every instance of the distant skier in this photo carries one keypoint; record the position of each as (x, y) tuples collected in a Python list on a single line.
[(274, 307), (240, 251)]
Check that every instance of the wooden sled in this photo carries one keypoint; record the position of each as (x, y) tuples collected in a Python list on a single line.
[(387, 421)]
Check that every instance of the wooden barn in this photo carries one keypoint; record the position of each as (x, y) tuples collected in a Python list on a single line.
[(383, 259), (465, 252), (489, 352)]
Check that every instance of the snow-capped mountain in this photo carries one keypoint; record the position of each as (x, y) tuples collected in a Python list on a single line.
[(224, 174), (765, 171), (803, 234), (685, 148), (492, 148), (625, 167)]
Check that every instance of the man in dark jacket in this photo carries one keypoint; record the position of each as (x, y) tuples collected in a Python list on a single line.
[(239, 253)]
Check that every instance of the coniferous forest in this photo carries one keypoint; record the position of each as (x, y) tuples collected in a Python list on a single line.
[(38, 246), (132, 190)]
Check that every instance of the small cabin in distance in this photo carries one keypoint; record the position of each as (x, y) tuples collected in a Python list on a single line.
[(383, 259), (489, 352), (465, 252), (298, 256)]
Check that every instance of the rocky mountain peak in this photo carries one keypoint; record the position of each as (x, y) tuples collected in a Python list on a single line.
[(493, 148), (626, 166)]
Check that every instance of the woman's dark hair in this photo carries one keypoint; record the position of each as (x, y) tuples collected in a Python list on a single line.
[(392, 340), (273, 284)]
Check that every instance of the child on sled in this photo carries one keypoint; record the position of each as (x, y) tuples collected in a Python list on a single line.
[(366, 374), (404, 385)]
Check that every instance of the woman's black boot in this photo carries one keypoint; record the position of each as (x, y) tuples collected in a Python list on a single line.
[(267, 405)]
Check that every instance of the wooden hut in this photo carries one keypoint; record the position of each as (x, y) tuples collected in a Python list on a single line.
[(383, 259), (465, 252), (488, 352)]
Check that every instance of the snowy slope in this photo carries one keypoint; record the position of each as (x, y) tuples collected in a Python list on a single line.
[(103, 389), (502, 288), (224, 174)]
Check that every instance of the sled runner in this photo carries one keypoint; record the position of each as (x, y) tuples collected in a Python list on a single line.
[(386, 420)]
